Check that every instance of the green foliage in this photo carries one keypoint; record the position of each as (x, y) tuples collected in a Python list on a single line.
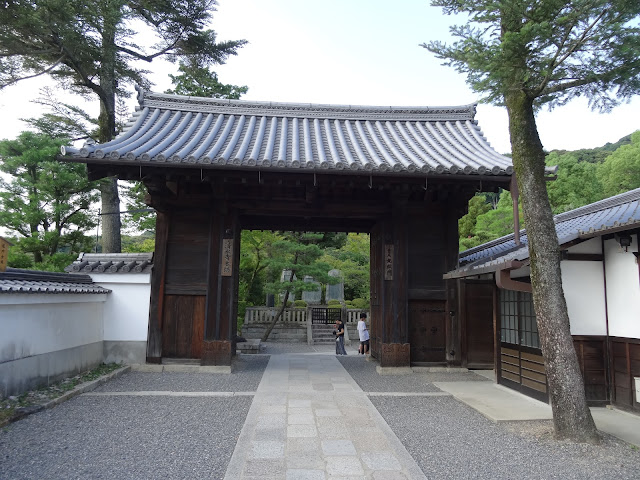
[(493, 224), (255, 249), (201, 82), (467, 224), (360, 303), (138, 244), (334, 303), (299, 254), (139, 218), (300, 304), (45, 202), (551, 51), (576, 184), (621, 171), (19, 259), (352, 259)]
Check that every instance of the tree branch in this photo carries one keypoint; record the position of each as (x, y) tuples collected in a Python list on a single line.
[(45, 71)]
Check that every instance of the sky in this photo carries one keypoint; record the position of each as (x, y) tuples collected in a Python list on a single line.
[(353, 52)]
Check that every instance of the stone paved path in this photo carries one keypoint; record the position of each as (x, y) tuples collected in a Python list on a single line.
[(309, 420)]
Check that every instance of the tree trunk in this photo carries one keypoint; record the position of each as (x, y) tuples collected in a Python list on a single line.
[(267, 332), (111, 224), (571, 416)]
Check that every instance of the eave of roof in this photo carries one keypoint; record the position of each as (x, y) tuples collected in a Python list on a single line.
[(618, 213), (172, 130), (15, 280), (112, 263)]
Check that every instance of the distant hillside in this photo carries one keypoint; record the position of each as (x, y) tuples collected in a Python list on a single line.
[(596, 155)]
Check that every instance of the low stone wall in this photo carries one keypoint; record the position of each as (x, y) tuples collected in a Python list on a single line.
[(282, 332)]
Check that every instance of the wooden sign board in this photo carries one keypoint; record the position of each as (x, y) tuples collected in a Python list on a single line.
[(227, 257), (388, 262), (4, 254)]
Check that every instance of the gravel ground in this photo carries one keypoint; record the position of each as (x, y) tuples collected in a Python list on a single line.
[(247, 373), (114, 437), (450, 440), (366, 376)]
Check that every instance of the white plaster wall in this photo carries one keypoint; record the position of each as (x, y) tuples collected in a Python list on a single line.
[(35, 324), (623, 289), (126, 311), (583, 285), (593, 245)]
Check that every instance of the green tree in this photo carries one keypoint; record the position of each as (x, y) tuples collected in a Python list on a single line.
[(255, 250), (524, 54), (202, 82), (91, 47), (353, 262), (494, 223), (45, 202), (620, 172), (299, 254), (467, 224), (576, 184)]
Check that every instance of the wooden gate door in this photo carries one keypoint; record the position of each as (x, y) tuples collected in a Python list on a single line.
[(427, 320), (478, 325), (183, 326)]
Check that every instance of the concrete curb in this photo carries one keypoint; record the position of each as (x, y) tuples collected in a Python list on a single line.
[(155, 368), (78, 390)]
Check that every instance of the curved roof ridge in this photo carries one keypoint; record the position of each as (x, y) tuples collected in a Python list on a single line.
[(332, 111)]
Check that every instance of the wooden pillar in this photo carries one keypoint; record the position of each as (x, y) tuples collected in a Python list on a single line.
[(454, 211), (395, 348), (154, 341), (221, 309)]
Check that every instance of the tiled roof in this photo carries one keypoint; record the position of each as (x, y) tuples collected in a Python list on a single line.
[(621, 212), (15, 280), (234, 134), (112, 263)]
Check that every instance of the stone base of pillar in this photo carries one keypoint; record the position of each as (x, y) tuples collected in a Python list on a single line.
[(395, 355), (216, 352)]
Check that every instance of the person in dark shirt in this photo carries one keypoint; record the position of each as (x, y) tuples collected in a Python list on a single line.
[(340, 338)]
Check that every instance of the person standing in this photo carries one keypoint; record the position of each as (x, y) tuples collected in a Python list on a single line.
[(340, 338), (363, 333)]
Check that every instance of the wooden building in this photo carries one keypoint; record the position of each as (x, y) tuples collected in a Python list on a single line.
[(601, 283), (214, 167)]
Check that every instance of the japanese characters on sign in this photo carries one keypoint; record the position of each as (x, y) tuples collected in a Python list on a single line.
[(388, 262), (4, 254), (227, 257)]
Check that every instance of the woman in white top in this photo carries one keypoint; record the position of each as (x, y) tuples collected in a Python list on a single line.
[(363, 333)]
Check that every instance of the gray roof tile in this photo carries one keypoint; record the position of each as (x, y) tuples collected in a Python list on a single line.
[(15, 280), (117, 263), (209, 132), (616, 213)]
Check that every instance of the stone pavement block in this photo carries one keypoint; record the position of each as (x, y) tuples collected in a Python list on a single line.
[(271, 434), (301, 420), (381, 461), (371, 442), (264, 468), (344, 466), (338, 448), (271, 421), (271, 409), (302, 431), (328, 412), (309, 460), (322, 387), (267, 449), (302, 445), (298, 403), (300, 411), (303, 474), (329, 432)]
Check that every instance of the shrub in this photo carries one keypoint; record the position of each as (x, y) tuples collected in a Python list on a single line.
[(300, 304), (334, 303), (360, 303)]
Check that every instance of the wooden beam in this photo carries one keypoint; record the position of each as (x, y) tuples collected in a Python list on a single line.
[(156, 307)]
